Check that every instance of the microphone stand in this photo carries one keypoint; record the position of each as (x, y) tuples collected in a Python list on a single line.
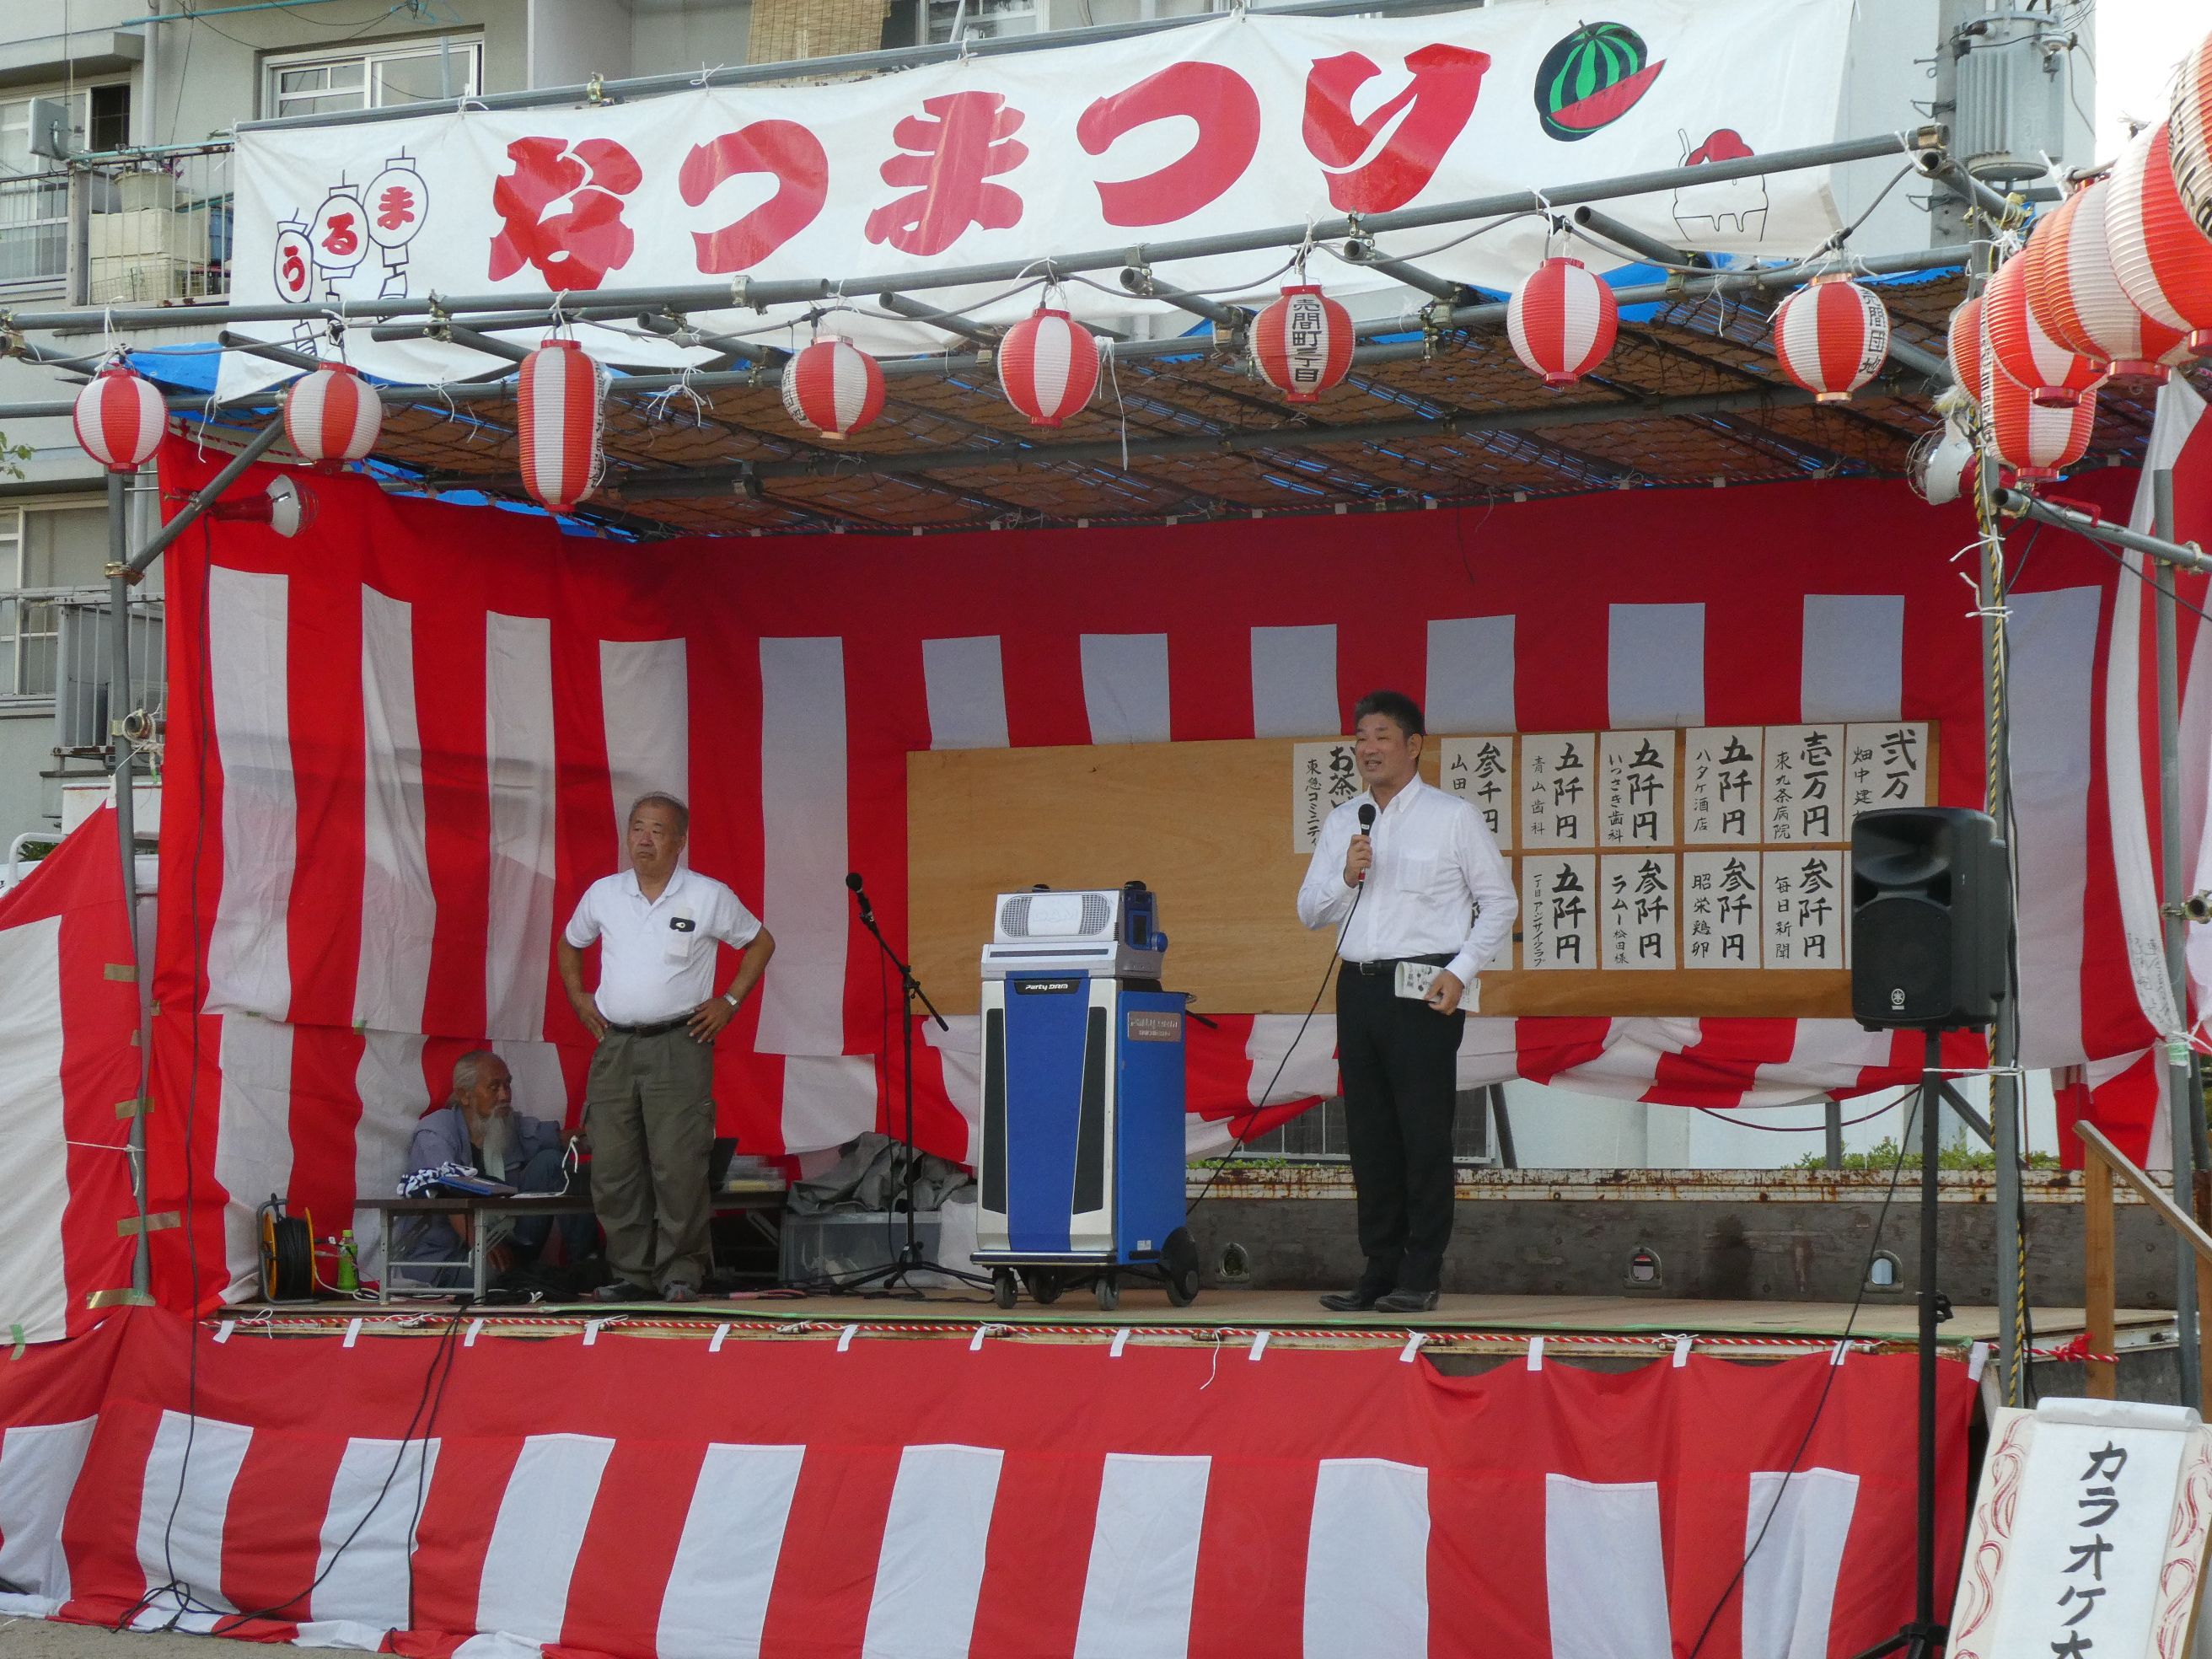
[(897, 1273)]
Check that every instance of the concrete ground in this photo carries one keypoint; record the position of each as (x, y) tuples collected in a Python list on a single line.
[(39, 1638)]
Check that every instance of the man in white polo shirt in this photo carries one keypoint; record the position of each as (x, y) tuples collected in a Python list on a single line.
[(649, 1105)]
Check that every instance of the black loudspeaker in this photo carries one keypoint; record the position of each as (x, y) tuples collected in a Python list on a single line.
[(1931, 918)]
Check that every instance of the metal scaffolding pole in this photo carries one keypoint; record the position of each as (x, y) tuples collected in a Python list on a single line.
[(742, 292), (119, 704), (2004, 1035), (2182, 1104)]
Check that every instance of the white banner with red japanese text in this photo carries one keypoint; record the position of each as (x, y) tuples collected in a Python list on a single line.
[(1242, 123)]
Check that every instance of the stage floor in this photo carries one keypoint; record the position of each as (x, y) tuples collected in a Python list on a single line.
[(1624, 1323)]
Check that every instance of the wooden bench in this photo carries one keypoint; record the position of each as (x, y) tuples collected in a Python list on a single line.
[(481, 1207)]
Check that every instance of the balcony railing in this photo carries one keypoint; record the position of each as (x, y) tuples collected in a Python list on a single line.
[(134, 228)]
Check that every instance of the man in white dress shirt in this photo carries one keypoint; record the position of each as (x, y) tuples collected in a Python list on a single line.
[(649, 1104), (1424, 890)]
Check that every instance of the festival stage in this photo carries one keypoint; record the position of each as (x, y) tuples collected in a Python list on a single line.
[(1462, 1333), (837, 1477)]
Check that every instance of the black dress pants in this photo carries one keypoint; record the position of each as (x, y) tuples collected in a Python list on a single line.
[(1398, 1058)]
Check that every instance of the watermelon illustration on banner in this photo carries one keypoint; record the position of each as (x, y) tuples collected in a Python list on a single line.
[(1591, 79)]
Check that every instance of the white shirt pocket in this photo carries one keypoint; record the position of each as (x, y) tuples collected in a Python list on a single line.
[(683, 941)]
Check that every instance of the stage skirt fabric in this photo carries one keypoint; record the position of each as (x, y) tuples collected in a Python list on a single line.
[(393, 766), (69, 1088), (778, 1495)]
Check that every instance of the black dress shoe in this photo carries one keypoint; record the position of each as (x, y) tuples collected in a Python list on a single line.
[(1358, 1300), (622, 1290), (1407, 1302)]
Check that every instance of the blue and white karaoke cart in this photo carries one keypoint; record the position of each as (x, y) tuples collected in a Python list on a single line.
[(1081, 1173)]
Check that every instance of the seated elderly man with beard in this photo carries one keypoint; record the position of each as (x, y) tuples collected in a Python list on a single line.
[(479, 1130)]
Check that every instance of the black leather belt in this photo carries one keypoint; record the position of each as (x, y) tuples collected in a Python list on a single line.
[(1389, 964), (658, 1028)]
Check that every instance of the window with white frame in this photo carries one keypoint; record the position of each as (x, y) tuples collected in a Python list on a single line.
[(50, 552), (34, 194), (397, 72), (983, 19)]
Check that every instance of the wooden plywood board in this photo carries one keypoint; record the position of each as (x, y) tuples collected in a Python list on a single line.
[(1208, 826)]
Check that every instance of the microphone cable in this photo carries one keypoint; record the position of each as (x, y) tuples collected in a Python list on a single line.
[(1335, 956)]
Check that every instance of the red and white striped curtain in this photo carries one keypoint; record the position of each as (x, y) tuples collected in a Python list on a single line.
[(910, 1497), (68, 1076), (417, 744)]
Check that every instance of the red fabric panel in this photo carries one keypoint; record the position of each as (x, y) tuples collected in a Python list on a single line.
[(81, 883), (1055, 1409)]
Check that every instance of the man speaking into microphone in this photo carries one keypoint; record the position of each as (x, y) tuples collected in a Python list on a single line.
[(1412, 878)]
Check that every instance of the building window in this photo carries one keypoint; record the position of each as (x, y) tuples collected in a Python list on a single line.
[(372, 77), (49, 554), (981, 19), (34, 193)]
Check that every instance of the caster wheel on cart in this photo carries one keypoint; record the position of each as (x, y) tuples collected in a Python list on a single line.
[(1179, 1262), (1042, 1285), (1006, 1288), (1109, 1294)]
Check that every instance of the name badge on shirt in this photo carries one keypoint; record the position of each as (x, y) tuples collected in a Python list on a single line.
[(682, 924)]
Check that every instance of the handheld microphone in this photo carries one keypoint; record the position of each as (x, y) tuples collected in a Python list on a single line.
[(860, 895), (1366, 825)]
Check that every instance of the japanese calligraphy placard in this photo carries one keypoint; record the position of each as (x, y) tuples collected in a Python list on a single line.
[(2088, 1533), (1559, 911), (1241, 122), (1558, 789), (1636, 778), (1721, 785), (1885, 766), (1323, 776), (1481, 770)]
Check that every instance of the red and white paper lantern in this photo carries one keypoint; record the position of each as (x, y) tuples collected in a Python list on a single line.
[(1832, 337), (2073, 292), (1049, 366), (833, 386), (2055, 377), (1965, 348), (2164, 262), (120, 417), (1302, 344), (331, 415), (2191, 125), (1562, 321), (2037, 442), (562, 400)]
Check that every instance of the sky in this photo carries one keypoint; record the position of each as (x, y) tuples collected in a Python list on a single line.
[(2138, 43)]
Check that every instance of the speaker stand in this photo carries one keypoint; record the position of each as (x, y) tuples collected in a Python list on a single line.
[(1923, 1638)]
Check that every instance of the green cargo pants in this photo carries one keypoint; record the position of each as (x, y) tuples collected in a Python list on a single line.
[(649, 1108)]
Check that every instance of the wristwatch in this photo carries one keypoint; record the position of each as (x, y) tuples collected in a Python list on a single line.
[(731, 997)]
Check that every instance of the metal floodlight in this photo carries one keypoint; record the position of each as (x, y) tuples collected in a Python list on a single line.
[(287, 506)]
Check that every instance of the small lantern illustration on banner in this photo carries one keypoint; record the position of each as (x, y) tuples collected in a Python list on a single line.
[(340, 234), (293, 267), (399, 200)]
